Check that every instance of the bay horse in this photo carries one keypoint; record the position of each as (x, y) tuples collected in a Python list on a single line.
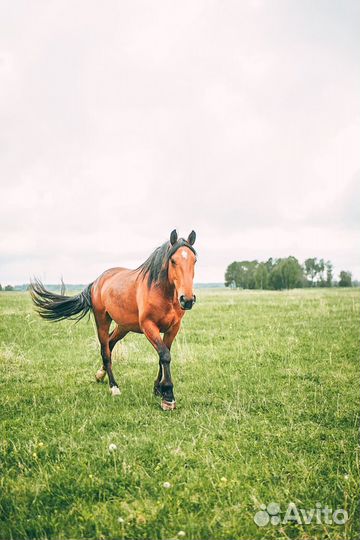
[(149, 300)]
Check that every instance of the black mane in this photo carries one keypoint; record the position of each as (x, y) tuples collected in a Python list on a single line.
[(156, 265)]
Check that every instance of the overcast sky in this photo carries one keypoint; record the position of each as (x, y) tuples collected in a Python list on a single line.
[(121, 120)]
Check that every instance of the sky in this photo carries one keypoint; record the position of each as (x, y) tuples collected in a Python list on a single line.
[(122, 120)]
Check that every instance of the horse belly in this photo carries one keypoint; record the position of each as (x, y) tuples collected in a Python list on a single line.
[(124, 316), (120, 302)]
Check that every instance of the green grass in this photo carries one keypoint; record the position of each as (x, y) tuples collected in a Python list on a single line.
[(267, 387)]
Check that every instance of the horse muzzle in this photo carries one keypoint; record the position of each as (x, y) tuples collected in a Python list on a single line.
[(186, 302)]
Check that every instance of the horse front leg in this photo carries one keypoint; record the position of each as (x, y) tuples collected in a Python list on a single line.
[(157, 381), (163, 383), (168, 340)]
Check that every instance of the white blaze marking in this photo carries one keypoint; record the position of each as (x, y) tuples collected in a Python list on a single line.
[(184, 254)]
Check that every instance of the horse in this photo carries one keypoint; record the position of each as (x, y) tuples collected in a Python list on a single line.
[(150, 300)]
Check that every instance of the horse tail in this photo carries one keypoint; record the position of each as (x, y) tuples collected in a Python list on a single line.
[(56, 307)]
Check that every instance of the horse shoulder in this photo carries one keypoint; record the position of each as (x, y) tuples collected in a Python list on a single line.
[(163, 311)]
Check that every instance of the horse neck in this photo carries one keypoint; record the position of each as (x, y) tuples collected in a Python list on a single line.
[(167, 289)]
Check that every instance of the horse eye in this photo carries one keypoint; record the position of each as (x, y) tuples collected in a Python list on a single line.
[(173, 262)]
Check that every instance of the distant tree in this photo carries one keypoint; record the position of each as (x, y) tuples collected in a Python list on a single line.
[(275, 277), (292, 273), (329, 273), (247, 274), (345, 279), (321, 270), (232, 275), (261, 276), (241, 274), (0, 287), (286, 274), (311, 269), (269, 264), (9, 288)]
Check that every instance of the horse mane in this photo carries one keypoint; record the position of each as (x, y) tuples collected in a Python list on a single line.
[(156, 265)]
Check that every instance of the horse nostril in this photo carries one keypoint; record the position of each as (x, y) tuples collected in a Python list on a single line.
[(185, 303)]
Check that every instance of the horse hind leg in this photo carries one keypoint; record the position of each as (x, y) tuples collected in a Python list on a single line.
[(106, 356), (114, 337), (103, 322), (100, 374)]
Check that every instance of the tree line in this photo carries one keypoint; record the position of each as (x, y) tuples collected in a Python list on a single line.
[(275, 274), (284, 273), (6, 288)]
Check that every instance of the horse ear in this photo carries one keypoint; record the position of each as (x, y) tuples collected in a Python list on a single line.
[(192, 238), (173, 237)]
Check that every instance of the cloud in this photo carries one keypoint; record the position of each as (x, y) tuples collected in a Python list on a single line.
[(240, 120)]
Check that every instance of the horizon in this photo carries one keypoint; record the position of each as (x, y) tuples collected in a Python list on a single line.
[(335, 278), (196, 281)]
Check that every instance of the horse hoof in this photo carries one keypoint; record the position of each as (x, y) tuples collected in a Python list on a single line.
[(115, 391), (100, 375), (168, 405)]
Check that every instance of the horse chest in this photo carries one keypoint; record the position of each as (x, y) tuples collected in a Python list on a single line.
[(167, 320)]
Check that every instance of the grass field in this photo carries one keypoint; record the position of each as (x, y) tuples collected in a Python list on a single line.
[(267, 387)]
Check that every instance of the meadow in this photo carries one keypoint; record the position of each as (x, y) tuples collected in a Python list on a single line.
[(267, 388)]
